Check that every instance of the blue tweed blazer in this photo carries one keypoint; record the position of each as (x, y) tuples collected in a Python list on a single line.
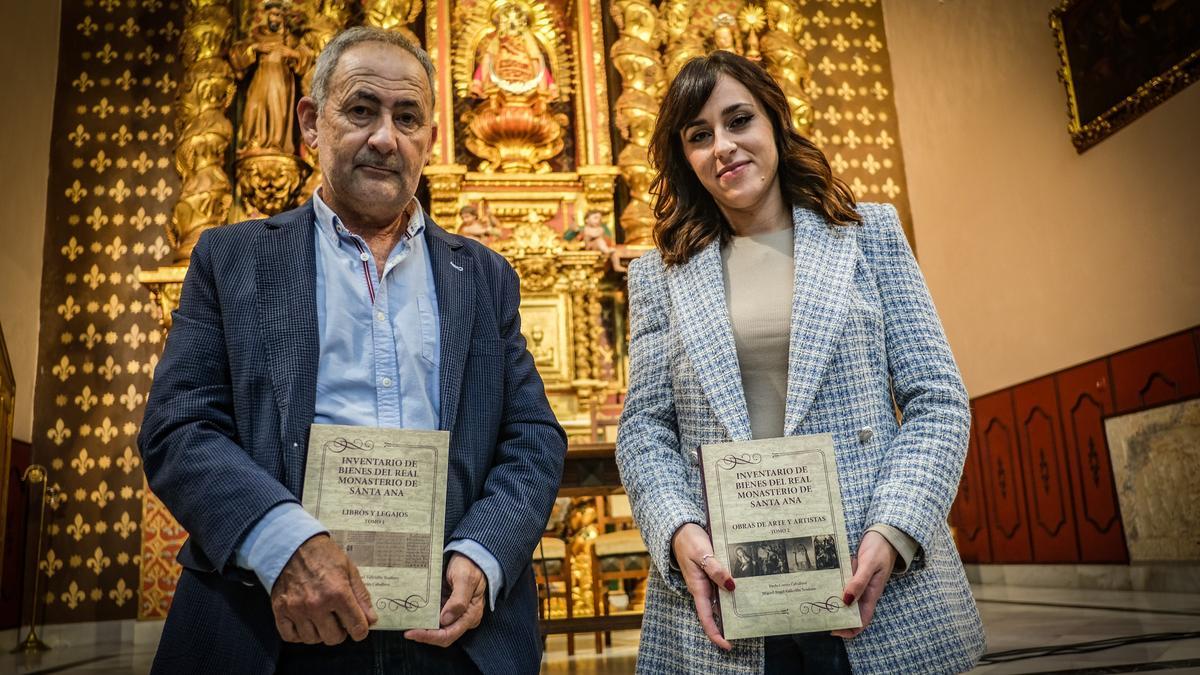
[(862, 324), (226, 432)]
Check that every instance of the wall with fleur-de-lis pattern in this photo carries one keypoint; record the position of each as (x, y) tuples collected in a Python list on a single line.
[(111, 189)]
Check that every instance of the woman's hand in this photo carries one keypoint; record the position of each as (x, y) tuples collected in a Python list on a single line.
[(694, 555), (872, 569)]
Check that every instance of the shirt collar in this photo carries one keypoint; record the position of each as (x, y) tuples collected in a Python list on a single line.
[(331, 227)]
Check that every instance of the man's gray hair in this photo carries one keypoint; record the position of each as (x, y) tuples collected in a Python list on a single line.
[(328, 60)]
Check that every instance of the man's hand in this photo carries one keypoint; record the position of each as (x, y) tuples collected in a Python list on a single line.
[(463, 609), (694, 555), (319, 596), (872, 569)]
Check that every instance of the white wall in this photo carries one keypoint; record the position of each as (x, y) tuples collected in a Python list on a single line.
[(1038, 258), (29, 52)]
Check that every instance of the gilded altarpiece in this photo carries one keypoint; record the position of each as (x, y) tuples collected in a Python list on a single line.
[(173, 117)]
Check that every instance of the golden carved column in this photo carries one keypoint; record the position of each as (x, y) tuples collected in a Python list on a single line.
[(445, 185), (395, 15), (272, 57), (635, 56), (787, 61)]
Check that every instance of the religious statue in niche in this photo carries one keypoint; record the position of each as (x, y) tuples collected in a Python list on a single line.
[(482, 228), (269, 172), (543, 354), (512, 65), (594, 235), (394, 15)]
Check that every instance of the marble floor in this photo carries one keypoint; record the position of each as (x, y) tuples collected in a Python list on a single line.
[(1029, 630)]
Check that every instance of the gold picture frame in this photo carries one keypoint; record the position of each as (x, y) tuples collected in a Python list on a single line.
[(1120, 59)]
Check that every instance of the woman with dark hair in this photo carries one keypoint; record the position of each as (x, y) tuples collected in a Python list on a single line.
[(743, 566), (777, 306)]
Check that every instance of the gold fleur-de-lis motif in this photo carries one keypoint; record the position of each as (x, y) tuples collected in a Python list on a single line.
[(162, 191), (854, 21), (69, 309), (120, 594), (103, 108), (890, 188), (169, 31), (100, 162), (153, 6), (884, 140), (50, 564), (73, 596), (63, 370), (94, 277), (114, 307), (119, 191), (135, 337), (115, 250), (839, 163), (879, 91), (75, 192), (865, 116), (851, 140), (78, 137), (820, 19), (72, 249), (871, 165), (128, 461), (142, 163), (858, 66), (131, 399), (826, 66), (140, 220), (83, 82), (82, 464), (163, 136), (125, 81), (125, 526), (165, 84), (122, 136), (78, 528), (99, 562), (859, 188), (846, 92), (109, 5), (148, 56), (107, 54), (102, 495), (87, 26), (96, 218), (873, 43), (110, 369), (159, 248), (85, 400), (106, 431), (145, 108), (129, 28)]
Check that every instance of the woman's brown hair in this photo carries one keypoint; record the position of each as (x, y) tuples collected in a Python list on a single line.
[(686, 216)]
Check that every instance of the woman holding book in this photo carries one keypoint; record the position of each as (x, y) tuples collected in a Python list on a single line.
[(777, 306)]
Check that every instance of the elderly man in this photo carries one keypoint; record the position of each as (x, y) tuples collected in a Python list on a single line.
[(353, 309)]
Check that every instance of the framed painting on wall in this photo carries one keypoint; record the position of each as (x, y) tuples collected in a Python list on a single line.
[(1121, 58)]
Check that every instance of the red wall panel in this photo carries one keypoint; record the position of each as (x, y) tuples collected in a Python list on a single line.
[(969, 514), (1159, 372), (1008, 520), (1047, 477), (1085, 398)]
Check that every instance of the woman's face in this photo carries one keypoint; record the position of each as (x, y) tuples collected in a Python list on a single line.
[(730, 144)]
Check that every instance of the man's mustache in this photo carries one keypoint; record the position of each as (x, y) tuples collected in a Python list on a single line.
[(378, 161)]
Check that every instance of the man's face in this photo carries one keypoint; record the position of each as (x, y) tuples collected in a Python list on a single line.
[(375, 132)]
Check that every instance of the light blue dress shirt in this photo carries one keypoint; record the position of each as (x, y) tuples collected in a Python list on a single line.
[(379, 366)]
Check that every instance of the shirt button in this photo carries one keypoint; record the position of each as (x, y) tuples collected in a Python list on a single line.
[(380, 315), (364, 257), (387, 381)]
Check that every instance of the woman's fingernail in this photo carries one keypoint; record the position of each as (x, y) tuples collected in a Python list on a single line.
[(729, 584), (848, 598)]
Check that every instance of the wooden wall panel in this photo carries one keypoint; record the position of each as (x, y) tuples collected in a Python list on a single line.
[(1047, 477), (969, 514), (1008, 520), (1159, 372), (1085, 398)]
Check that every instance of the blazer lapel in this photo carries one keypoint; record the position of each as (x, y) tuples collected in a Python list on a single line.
[(698, 292), (824, 260), (454, 281), (286, 276)]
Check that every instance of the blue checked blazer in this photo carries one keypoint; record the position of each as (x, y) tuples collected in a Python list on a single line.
[(226, 432), (862, 323)]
